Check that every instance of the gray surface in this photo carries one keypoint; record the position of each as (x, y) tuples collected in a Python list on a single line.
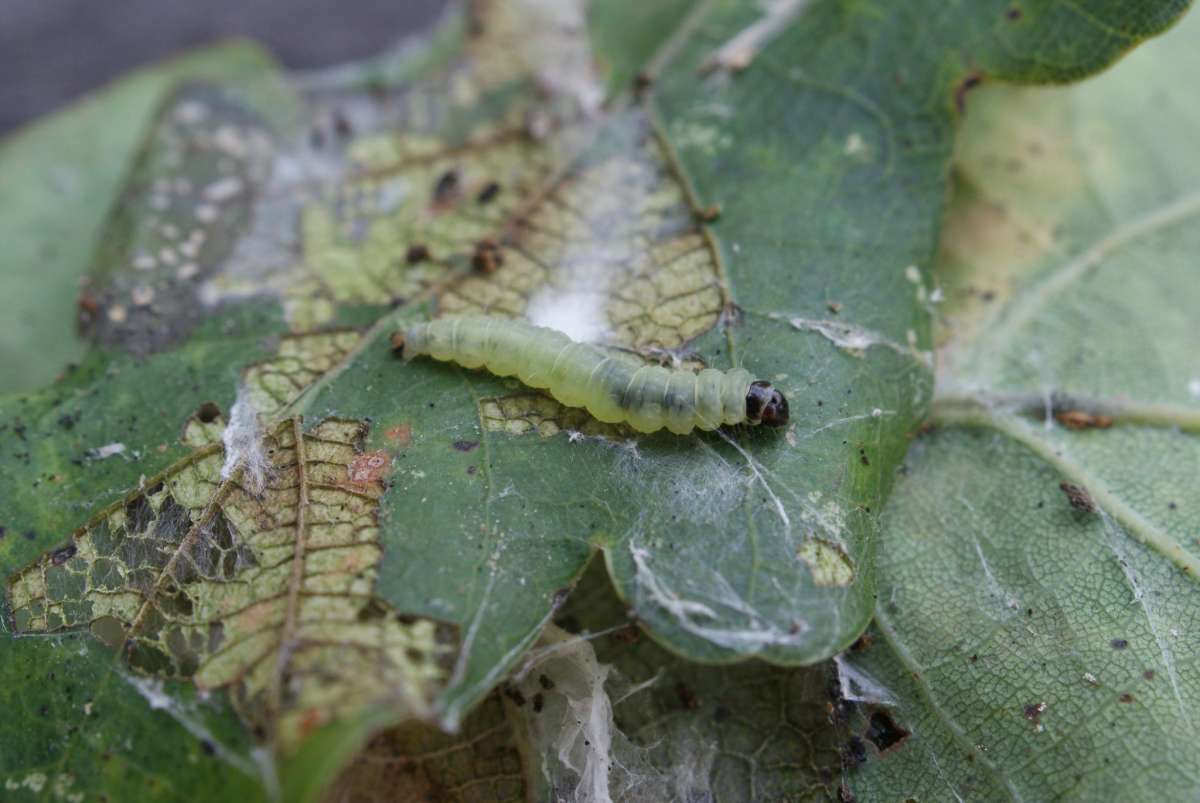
[(52, 51)]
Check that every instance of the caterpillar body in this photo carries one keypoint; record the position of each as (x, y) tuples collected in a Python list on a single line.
[(614, 386)]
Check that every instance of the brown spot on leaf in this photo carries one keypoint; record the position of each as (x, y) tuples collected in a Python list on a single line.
[(1078, 497), (1126, 698), (1078, 419), (87, 311), (968, 83), (310, 720), (487, 257), (367, 468), (416, 253), (401, 435), (863, 642)]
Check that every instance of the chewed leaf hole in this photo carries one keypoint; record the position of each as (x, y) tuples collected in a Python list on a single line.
[(884, 732)]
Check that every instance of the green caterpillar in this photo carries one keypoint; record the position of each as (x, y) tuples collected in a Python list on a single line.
[(614, 387)]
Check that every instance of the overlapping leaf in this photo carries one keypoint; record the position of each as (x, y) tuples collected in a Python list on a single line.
[(1038, 593)]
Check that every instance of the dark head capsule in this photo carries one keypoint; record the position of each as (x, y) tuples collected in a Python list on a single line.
[(766, 405)]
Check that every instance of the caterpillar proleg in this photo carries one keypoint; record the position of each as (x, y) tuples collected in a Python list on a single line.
[(613, 386)]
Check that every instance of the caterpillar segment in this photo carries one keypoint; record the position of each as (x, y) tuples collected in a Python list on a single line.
[(615, 387)]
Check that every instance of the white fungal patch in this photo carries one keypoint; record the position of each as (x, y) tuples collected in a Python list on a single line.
[(1194, 388), (142, 295), (706, 139), (106, 451), (224, 189), (34, 782), (190, 112), (576, 312), (243, 439), (913, 274), (855, 145)]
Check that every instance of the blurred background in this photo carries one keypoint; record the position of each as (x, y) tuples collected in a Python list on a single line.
[(53, 51)]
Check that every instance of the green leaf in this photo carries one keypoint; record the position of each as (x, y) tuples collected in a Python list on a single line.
[(1038, 589), (61, 176), (211, 490)]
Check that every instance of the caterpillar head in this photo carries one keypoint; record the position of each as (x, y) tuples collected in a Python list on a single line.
[(766, 405)]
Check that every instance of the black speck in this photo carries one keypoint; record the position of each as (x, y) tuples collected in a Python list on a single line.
[(466, 446), (1118, 644), (488, 193), (416, 253), (545, 682), (514, 694), (30, 535), (208, 412), (539, 702), (446, 187), (208, 747)]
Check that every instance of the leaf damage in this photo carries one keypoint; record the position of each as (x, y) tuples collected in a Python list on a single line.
[(265, 591)]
